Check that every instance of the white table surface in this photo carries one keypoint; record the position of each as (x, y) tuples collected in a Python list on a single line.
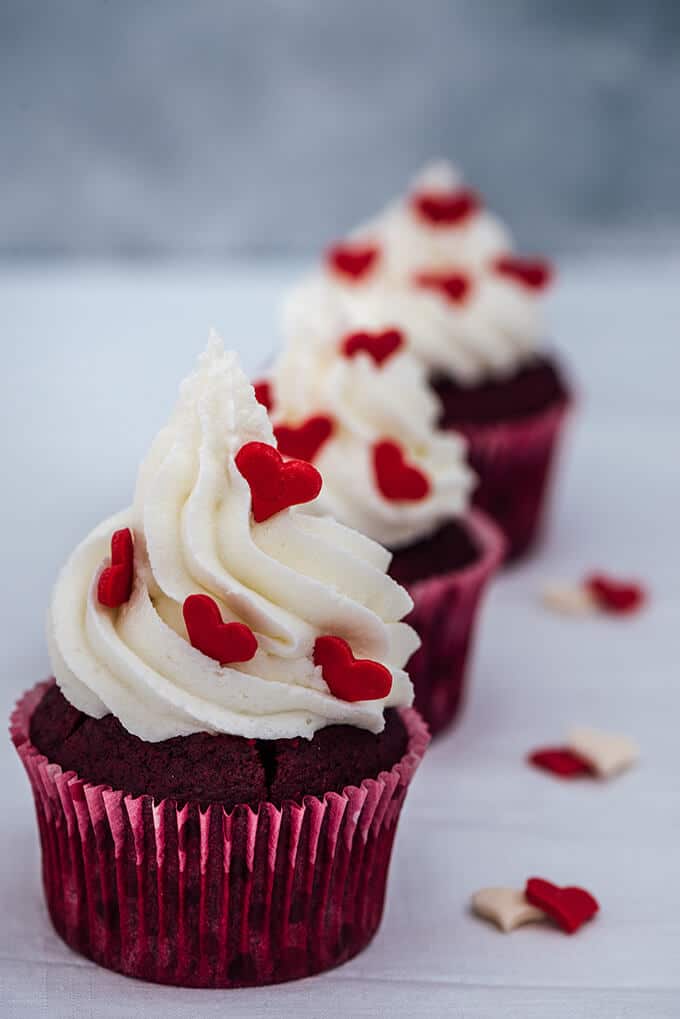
[(91, 358)]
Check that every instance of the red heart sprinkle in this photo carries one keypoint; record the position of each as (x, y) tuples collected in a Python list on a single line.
[(560, 761), (225, 642), (115, 582), (275, 483), (379, 346), (454, 286), (614, 595), (350, 678), (352, 260), (304, 441), (534, 273), (397, 480), (569, 907), (452, 208), (263, 394)]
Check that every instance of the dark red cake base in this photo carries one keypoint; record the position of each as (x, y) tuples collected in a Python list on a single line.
[(446, 575), (512, 428), (229, 770), (203, 896), (534, 389)]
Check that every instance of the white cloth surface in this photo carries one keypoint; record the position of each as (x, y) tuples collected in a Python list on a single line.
[(91, 358)]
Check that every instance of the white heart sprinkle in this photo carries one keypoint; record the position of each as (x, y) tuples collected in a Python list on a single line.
[(568, 599), (506, 907), (607, 753)]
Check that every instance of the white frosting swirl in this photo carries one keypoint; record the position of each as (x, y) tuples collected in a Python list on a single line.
[(489, 335), (292, 578), (368, 402), (409, 243)]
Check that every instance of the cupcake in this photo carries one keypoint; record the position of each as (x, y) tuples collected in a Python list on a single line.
[(441, 268), (219, 765), (357, 404)]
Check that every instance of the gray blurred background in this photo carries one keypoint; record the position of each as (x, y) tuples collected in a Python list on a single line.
[(159, 128)]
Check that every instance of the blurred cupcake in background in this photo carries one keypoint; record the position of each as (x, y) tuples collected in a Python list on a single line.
[(355, 401), (441, 268)]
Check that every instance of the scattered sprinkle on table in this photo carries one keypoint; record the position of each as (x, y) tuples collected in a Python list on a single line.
[(540, 900), (597, 592), (569, 907), (587, 752), (506, 907)]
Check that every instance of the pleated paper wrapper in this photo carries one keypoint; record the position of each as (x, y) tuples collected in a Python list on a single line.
[(204, 898)]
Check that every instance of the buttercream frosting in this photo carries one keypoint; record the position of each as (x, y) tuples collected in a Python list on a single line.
[(487, 327), (290, 579), (368, 402)]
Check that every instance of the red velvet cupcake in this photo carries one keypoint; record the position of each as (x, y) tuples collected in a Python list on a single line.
[(354, 400), (443, 271), (219, 769)]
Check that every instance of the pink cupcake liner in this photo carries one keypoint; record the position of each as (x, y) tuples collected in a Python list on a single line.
[(513, 461), (200, 897), (445, 610)]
